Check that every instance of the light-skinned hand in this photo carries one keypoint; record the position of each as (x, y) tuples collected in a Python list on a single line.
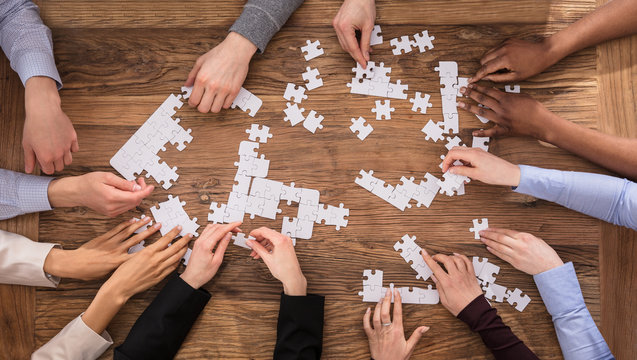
[(480, 165), (99, 256), (277, 252), (141, 271), (523, 251), (387, 337), (457, 286), (515, 60), (218, 74), (49, 137), (514, 114), (204, 263), (355, 15), (103, 192)]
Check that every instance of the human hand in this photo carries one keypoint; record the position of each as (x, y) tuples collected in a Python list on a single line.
[(480, 165), (523, 251), (457, 286), (203, 263), (218, 74), (148, 266), (355, 15), (103, 192), (277, 252), (48, 134), (514, 114), (99, 256), (387, 337), (515, 60)]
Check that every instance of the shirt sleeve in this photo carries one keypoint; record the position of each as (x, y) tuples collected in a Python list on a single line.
[(261, 19), (22, 261), (27, 41), (300, 327), (576, 331), (498, 337), (22, 193), (75, 341), (163, 326), (605, 197)]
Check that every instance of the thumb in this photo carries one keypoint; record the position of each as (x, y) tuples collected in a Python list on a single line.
[(121, 184), (29, 159), (493, 132), (470, 172), (415, 337)]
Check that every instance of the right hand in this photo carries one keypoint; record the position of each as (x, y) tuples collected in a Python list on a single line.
[(104, 192), (355, 15), (480, 165), (203, 263), (218, 74), (277, 252), (515, 60), (148, 266), (523, 251), (99, 256), (457, 286), (387, 337), (48, 136)]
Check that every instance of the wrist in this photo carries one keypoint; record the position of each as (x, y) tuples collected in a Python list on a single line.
[(191, 280), (241, 45), (64, 192), (56, 262), (295, 287), (115, 291), (44, 90), (553, 130)]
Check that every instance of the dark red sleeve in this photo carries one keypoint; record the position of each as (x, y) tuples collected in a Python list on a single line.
[(499, 338)]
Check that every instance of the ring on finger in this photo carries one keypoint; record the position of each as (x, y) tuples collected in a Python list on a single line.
[(386, 324)]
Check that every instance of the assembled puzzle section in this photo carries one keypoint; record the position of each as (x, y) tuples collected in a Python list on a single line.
[(373, 290), (171, 213), (247, 102), (422, 41), (400, 196), (411, 252), (373, 80)]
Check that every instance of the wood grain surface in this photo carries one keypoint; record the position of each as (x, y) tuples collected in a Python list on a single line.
[(119, 61)]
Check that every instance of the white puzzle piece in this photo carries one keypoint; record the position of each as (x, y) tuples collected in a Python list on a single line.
[(402, 45), (423, 42), (383, 109), (515, 297), (479, 226), (376, 37), (292, 91), (312, 49), (313, 122), (311, 78), (433, 131), (420, 103), (359, 125), (293, 114), (261, 133)]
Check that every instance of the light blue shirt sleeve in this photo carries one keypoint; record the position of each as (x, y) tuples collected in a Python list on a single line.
[(605, 197), (27, 41), (576, 331), (22, 193)]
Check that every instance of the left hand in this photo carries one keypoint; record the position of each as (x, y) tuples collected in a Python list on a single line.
[(218, 74), (355, 15), (204, 263), (387, 337), (457, 286), (514, 114), (103, 192), (48, 135)]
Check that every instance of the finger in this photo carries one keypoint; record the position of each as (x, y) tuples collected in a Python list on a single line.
[(230, 98), (441, 289), (121, 184), (499, 247), (219, 232), (447, 261), (141, 236), (479, 110), (366, 35), (206, 101), (220, 99), (221, 249), (460, 265), (176, 247), (433, 265), (495, 131), (504, 77), (490, 67), (492, 53), (352, 47), (491, 91), (264, 233), (261, 251), (398, 310), (468, 263), (415, 337), (462, 153), (508, 232), (503, 236), (480, 97), (499, 254), (384, 311), (59, 164), (376, 319), (68, 158), (197, 92), (75, 146), (163, 242), (119, 228), (367, 326), (29, 160), (174, 259), (192, 75)]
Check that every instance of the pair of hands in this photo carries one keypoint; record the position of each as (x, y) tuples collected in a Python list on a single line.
[(103, 192)]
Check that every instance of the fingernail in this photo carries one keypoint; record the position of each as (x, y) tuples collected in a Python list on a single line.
[(424, 330), (455, 253), (136, 187), (157, 225), (470, 79), (475, 133), (471, 86), (368, 310), (133, 220), (461, 104), (452, 170), (179, 227), (425, 252), (463, 89)]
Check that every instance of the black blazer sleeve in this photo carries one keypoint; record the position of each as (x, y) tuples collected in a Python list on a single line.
[(300, 327), (163, 326)]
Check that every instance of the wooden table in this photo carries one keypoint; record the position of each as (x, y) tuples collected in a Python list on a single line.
[(119, 61)]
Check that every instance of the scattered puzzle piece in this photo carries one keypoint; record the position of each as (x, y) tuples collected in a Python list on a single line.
[(514, 297), (359, 125), (376, 38), (433, 131), (312, 49), (479, 226), (423, 42), (262, 133), (383, 109), (311, 78), (420, 103), (292, 91)]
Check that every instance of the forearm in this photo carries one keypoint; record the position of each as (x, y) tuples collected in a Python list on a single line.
[(615, 153), (22, 193), (75, 341), (498, 337), (605, 197), (300, 327), (64, 192), (576, 331), (22, 261), (103, 308), (262, 19), (27, 41), (612, 20)]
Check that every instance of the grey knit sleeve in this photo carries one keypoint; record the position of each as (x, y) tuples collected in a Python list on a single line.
[(261, 19)]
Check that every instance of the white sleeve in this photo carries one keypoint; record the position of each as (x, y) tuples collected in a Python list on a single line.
[(75, 341), (22, 261)]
